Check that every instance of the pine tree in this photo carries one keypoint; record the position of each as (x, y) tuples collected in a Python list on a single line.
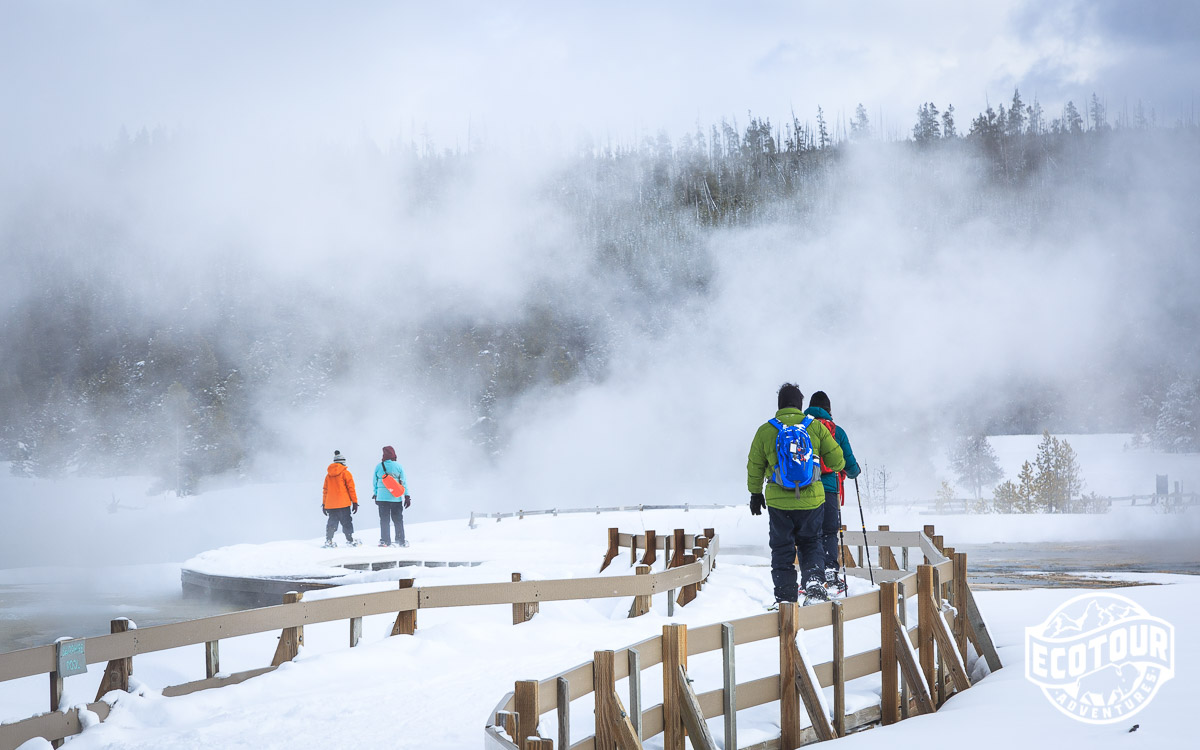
[(1072, 121), (1034, 117), (948, 129), (822, 131), (1026, 494), (1006, 498), (1177, 426), (860, 126), (1097, 110), (974, 462), (1015, 124)]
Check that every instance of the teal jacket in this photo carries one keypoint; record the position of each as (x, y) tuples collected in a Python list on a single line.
[(383, 494), (830, 479), (761, 463)]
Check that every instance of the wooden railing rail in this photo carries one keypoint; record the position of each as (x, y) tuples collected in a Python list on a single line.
[(941, 672), (405, 601)]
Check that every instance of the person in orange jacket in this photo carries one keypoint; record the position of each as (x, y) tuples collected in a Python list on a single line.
[(339, 501)]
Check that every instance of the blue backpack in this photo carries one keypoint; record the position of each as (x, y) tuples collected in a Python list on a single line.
[(797, 464)]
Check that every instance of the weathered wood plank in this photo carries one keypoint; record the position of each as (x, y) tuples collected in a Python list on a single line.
[(674, 656), (811, 698), (789, 698), (693, 717)]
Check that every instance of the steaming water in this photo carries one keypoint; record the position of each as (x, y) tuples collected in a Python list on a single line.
[(38, 605)]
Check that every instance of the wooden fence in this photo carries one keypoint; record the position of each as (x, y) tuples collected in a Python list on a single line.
[(917, 676), (119, 648)]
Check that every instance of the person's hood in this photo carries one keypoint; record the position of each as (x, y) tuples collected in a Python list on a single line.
[(817, 412), (336, 469)]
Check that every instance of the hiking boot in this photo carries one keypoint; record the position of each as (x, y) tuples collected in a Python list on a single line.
[(353, 543), (329, 544), (385, 544), (402, 544), (834, 583), (815, 593)]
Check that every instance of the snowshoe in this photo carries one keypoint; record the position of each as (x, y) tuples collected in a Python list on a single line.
[(815, 593), (835, 585), (385, 544), (329, 544), (353, 543)]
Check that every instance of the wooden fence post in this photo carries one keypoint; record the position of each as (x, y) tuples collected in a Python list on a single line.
[(960, 603), (847, 557), (929, 532), (941, 691), (688, 593), (887, 652), (212, 658), (925, 615), (355, 631), (887, 558), (116, 674), (677, 560), (633, 547), (613, 728), (641, 602), (564, 712), (520, 610), (674, 656), (839, 669), (729, 682), (525, 700), (291, 639), (651, 553), (635, 691), (789, 698), (406, 619), (614, 547)]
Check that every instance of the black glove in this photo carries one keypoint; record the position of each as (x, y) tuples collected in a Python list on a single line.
[(354, 508), (407, 500), (374, 498), (757, 503), (324, 510)]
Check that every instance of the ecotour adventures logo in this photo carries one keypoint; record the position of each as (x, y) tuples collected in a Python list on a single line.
[(1100, 658)]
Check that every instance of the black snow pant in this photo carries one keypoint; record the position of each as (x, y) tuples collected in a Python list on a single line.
[(389, 514), (336, 516), (795, 532), (829, 530)]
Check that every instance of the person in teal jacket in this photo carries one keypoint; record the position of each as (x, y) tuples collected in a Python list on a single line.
[(818, 407), (794, 516), (391, 508)]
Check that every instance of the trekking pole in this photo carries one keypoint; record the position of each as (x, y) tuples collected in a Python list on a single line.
[(863, 521)]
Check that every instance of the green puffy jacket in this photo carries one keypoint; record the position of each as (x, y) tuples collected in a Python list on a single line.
[(761, 463)]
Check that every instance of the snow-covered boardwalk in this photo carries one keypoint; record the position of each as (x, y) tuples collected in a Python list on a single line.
[(440, 687)]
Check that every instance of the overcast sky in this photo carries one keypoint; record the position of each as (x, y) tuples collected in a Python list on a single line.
[(76, 72)]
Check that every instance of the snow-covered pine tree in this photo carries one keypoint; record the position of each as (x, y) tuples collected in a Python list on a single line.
[(1177, 427)]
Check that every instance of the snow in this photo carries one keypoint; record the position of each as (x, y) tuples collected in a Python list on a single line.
[(438, 687)]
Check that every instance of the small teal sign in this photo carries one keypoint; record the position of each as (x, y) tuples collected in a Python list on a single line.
[(70, 657)]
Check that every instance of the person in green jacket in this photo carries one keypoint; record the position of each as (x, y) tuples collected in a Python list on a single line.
[(818, 408), (794, 516)]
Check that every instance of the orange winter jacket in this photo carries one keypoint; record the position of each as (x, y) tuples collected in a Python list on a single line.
[(339, 487)]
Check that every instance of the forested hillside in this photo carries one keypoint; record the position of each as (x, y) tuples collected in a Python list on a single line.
[(148, 315)]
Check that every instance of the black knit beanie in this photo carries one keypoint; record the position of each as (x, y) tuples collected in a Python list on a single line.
[(790, 395), (820, 401)]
